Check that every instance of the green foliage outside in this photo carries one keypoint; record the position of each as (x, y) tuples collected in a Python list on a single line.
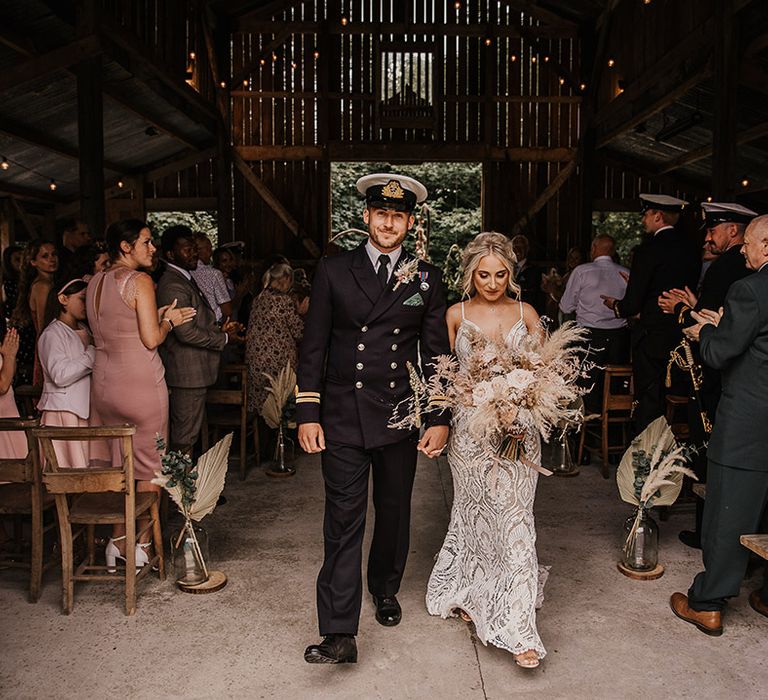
[(454, 202), (623, 226), (202, 221)]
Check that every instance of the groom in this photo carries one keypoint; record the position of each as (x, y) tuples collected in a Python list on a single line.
[(372, 310)]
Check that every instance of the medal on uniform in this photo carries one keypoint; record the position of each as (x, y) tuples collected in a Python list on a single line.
[(423, 275)]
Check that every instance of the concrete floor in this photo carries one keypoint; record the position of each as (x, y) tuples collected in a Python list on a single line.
[(607, 636)]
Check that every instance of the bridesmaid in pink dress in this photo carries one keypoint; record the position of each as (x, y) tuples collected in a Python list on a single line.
[(128, 384), (13, 445)]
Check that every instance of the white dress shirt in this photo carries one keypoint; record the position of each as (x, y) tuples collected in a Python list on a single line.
[(374, 253), (585, 285)]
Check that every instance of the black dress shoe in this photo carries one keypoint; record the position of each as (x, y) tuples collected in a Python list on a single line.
[(388, 612), (690, 539), (334, 649)]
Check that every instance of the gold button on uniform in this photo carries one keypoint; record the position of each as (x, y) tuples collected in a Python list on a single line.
[(359, 365), (394, 347), (394, 365), (391, 385), (361, 347), (364, 329), (358, 385), (396, 331)]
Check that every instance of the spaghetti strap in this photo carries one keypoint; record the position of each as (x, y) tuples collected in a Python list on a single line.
[(463, 317)]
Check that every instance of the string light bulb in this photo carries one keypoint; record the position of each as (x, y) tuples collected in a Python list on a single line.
[(192, 55), (457, 4), (52, 185), (293, 65), (222, 85), (120, 184), (513, 58), (709, 199), (245, 82), (5, 164), (561, 81), (316, 54), (546, 58), (611, 63), (344, 21), (274, 57), (647, 2), (534, 59), (262, 61), (745, 182)]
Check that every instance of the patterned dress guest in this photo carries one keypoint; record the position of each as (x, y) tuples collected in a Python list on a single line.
[(274, 330)]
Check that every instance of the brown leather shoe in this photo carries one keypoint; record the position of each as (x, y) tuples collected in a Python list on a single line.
[(709, 622), (757, 603)]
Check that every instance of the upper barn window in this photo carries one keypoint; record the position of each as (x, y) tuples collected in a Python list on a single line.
[(407, 86)]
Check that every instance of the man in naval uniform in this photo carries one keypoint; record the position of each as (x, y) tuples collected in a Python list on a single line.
[(725, 223), (734, 340), (664, 260), (372, 310)]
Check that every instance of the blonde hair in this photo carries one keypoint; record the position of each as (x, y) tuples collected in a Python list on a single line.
[(278, 271), (482, 245)]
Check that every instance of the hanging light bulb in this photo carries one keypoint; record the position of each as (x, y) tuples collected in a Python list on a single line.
[(513, 58), (293, 65), (457, 5), (5, 164), (709, 199), (488, 41), (316, 54), (546, 58), (561, 81), (262, 61), (611, 63), (245, 82), (745, 181), (582, 86), (52, 185), (120, 184), (647, 2), (274, 57), (344, 21), (222, 85), (534, 59)]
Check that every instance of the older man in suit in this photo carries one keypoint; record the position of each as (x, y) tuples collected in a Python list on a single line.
[(735, 341), (373, 310), (191, 353)]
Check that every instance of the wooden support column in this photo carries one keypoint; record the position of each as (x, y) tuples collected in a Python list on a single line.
[(592, 48), (726, 78), (90, 128)]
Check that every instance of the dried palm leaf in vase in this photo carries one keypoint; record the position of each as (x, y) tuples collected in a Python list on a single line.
[(195, 489), (277, 411), (650, 474)]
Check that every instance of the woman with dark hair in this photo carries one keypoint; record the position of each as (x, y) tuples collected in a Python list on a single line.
[(128, 384), (89, 260), (67, 355), (41, 261)]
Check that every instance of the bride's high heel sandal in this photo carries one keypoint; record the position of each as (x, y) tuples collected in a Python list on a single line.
[(112, 554), (528, 659)]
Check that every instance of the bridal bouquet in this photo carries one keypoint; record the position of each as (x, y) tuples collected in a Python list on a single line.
[(503, 392)]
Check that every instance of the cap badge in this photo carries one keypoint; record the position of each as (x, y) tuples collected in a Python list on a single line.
[(393, 190)]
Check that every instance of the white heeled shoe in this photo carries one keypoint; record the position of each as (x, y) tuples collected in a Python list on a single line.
[(112, 554)]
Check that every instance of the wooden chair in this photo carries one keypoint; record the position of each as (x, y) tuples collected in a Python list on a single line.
[(100, 497), (227, 407), (24, 497), (28, 396), (616, 410), (677, 415)]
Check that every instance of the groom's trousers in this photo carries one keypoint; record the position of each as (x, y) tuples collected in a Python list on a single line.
[(345, 471)]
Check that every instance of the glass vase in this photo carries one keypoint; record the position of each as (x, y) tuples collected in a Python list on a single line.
[(640, 550), (189, 549), (562, 458)]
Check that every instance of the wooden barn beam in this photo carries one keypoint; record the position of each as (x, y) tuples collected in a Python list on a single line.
[(541, 201), (177, 163), (697, 154), (354, 28), (726, 60), (406, 152), (274, 204), (647, 170), (17, 41), (669, 78), (120, 96), (266, 10), (136, 58), (181, 203), (28, 193), (49, 143), (43, 64), (21, 213)]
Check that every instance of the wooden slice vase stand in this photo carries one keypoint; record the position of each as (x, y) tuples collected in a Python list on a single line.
[(651, 575), (216, 581)]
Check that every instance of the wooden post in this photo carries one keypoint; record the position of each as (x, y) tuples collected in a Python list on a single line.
[(90, 128), (726, 78), (223, 163)]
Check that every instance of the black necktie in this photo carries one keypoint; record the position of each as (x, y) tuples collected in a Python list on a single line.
[(382, 273)]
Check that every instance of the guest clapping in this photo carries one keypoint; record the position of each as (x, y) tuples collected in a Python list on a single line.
[(128, 376), (13, 445), (67, 355), (274, 330)]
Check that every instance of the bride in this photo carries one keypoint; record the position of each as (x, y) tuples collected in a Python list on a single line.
[(487, 570)]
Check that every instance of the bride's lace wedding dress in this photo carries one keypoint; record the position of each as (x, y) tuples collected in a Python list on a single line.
[(487, 566)]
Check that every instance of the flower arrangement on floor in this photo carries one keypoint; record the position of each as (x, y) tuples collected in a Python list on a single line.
[(504, 392), (650, 474), (195, 489), (278, 412)]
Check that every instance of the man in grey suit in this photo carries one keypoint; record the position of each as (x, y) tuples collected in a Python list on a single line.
[(735, 341), (192, 352)]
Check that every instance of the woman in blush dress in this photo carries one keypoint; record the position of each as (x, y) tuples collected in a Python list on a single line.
[(67, 355), (487, 570), (128, 384), (13, 445)]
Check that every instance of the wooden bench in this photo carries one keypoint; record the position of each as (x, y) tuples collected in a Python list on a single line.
[(756, 543)]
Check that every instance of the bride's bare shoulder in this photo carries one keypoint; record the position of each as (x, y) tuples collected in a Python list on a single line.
[(454, 313)]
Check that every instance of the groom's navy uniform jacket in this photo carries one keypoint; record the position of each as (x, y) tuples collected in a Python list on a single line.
[(352, 373), (357, 340)]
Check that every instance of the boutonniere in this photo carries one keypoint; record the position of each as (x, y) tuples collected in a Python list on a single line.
[(406, 272)]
